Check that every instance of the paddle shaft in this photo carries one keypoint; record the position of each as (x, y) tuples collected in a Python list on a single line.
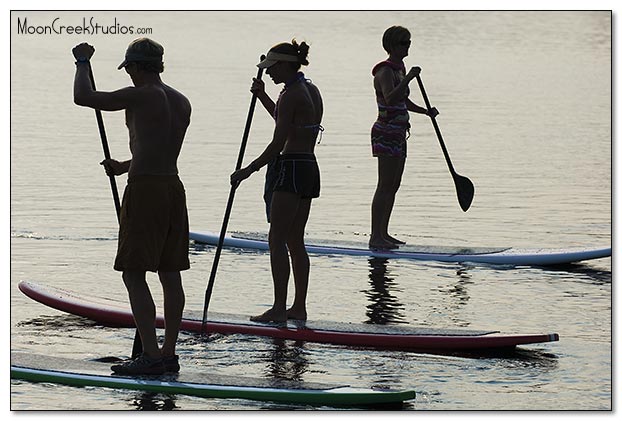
[(436, 128), (225, 222), (464, 187), (104, 139), (137, 347)]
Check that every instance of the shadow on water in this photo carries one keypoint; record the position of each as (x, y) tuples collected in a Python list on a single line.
[(536, 359), (585, 271), (514, 357), (197, 249), (526, 356), (384, 307), (61, 322)]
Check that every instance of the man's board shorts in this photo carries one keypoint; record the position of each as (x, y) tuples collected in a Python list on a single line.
[(296, 173), (153, 228)]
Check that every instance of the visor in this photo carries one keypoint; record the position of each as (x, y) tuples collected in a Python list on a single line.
[(273, 58)]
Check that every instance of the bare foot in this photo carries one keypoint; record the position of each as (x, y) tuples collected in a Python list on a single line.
[(270, 316), (296, 315), (394, 240), (382, 245)]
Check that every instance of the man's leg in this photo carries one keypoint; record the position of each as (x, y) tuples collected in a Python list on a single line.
[(143, 310), (174, 301)]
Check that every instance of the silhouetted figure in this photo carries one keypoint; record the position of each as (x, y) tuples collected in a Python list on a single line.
[(390, 131), (153, 226), (293, 176)]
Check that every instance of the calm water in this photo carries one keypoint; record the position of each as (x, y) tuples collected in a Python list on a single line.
[(525, 113)]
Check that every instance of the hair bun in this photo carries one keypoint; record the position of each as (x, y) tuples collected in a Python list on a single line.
[(302, 51)]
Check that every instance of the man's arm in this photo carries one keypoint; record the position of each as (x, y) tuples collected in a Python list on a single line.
[(83, 92), (114, 167), (84, 95)]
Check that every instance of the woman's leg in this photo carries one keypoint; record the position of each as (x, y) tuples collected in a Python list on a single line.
[(300, 261), (390, 170), (282, 214)]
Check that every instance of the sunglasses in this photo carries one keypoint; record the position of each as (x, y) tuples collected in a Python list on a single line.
[(404, 43)]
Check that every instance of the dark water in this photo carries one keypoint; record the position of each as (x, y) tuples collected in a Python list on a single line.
[(520, 115)]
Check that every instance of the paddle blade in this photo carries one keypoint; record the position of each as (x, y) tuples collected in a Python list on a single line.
[(465, 190)]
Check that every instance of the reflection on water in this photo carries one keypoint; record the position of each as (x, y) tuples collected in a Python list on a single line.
[(384, 307), (458, 291), (286, 360), (453, 298), (147, 401)]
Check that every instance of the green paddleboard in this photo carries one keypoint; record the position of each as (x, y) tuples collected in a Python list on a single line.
[(72, 372)]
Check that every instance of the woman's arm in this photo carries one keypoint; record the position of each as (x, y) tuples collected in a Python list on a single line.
[(394, 94), (284, 122), (258, 88)]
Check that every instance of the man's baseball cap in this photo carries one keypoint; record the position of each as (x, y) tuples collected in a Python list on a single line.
[(142, 49)]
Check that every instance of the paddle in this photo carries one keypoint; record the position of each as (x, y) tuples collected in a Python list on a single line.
[(137, 348), (225, 222), (464, 187), (102, 135)]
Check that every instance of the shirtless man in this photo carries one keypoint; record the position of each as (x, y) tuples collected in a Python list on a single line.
[(293, 177), (153, 231)]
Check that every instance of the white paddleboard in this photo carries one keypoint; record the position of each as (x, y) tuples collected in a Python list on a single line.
[(496, 256)]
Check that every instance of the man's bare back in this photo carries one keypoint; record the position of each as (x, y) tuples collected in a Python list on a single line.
[(157, 117), (157, 126)]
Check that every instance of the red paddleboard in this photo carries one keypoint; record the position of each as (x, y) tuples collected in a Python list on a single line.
[(424, 339)]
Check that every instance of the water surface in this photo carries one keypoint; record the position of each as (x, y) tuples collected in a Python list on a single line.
[(525, 102)]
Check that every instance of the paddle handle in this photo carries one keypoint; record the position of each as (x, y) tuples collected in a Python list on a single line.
[(104, 139), (436, 128), (225, 222)]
